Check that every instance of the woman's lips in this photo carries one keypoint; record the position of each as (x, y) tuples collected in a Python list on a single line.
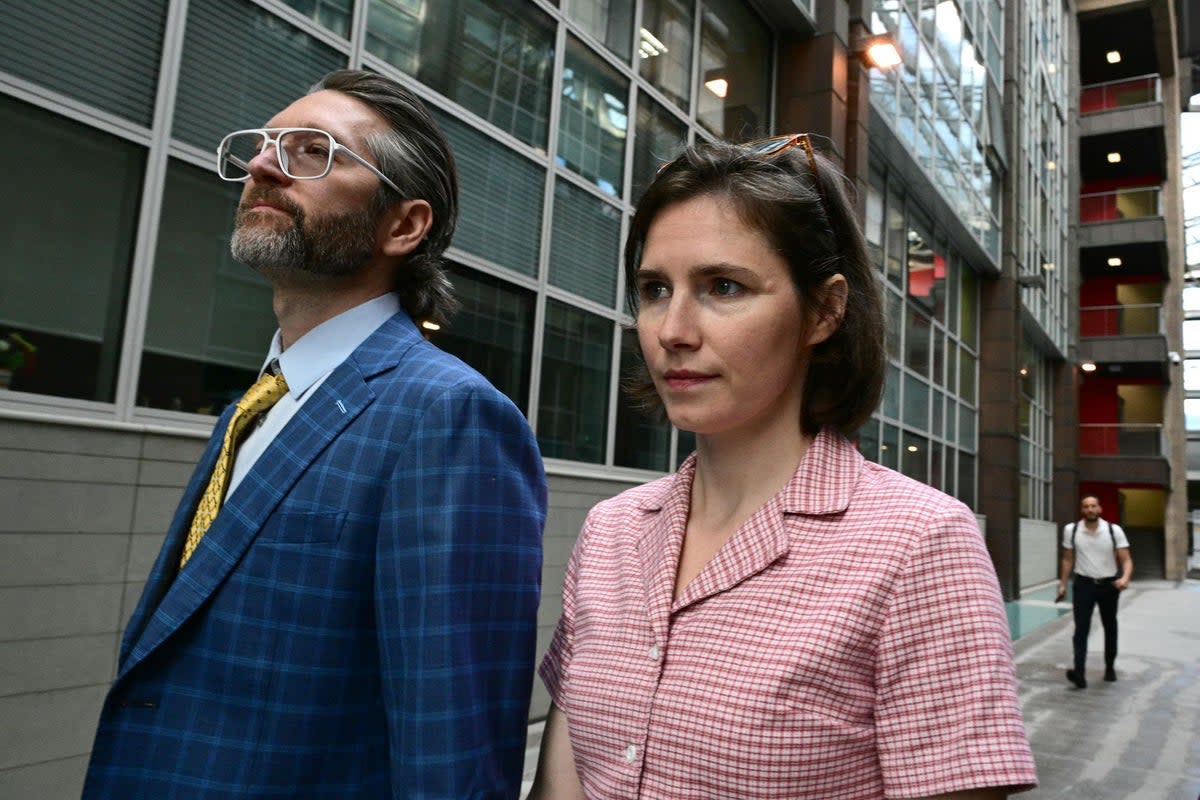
[(682, 379)]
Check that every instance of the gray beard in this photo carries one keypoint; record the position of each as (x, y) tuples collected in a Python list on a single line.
[(332, 246)]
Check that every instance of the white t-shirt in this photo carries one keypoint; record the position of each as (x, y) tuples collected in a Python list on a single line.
[(1094, 555)]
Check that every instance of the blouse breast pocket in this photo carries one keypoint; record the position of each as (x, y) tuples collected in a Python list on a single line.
[(303, 527)]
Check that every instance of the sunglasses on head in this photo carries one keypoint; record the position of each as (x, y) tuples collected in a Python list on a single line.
[(773, 146)]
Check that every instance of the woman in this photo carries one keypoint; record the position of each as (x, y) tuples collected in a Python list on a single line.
[(780, 618)]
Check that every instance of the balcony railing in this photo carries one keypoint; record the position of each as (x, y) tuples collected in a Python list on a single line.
[(1121, 204), (1121, 439), (1135, 319), (1118, 94)]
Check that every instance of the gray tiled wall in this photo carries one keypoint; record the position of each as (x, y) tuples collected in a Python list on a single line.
[(82, 515)]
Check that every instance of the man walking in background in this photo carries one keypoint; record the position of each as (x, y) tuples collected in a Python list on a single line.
[(346, 601), (1096, 553)]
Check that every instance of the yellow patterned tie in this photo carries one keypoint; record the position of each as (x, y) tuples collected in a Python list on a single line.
[(261, 396)]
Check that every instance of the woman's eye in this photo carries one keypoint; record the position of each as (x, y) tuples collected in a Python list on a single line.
[(725, 287), (653, 291)]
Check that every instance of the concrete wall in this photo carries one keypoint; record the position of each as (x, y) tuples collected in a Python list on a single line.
[(83, 511)]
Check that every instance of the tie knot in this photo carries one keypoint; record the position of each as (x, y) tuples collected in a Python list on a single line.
[(265, 392)]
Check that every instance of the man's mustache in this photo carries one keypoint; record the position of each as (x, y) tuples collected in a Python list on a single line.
[(272, 197)]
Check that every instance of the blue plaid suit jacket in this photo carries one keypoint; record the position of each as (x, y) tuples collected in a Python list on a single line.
[(360, 620)]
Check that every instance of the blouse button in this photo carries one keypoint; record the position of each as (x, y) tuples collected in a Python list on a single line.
[(631, 754), (654, 652)]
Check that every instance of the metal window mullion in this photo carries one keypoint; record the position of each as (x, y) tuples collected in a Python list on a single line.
[(150, 213), (543, 271), (358, 33)]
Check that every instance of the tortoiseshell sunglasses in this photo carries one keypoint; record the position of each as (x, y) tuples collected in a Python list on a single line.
[(773, 146)]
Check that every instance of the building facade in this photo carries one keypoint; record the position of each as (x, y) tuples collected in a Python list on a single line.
[(137, 328)]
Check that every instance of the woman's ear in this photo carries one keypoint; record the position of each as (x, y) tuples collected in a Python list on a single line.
[(404, 227), (828, 308)]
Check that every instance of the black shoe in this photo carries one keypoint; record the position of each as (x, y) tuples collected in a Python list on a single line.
[(1110, 675), (1077, 679)]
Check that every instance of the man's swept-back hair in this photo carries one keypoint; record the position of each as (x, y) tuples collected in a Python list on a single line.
[(417, 157), (812, 225)]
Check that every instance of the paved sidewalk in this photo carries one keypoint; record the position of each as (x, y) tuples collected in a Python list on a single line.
[(1136, 739)]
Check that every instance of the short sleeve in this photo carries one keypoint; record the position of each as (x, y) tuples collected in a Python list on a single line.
[(948, 716), (555, 667), (1119, 538), (1068, 529)]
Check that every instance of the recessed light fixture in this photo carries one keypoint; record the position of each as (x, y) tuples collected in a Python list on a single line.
[(718, 86), (1088, 366), (1050, 165), (1048, 266), (430, 325), (1024, 371), (1113, 56), (1115, 261), (912, 448), (1114, 157), (1052, 68)]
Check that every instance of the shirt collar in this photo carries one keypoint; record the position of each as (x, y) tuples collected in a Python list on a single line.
[(822, 484), (317, 352)]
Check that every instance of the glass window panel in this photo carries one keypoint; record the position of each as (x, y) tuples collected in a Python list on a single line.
[(1191, 414), (593, 120), (914, 458), (951, 421), (1191, 375), (951, 289), (935, 413), (966, 428), (492, 331), (643, 437), (333, 14), (210, 321), (573, 404), (873, 227), (916, 402), (867, 439), (241, 65), (889, 448), (608, 21), (926, 274), (966, 382), (891, 393), (897, 240), (493, 57), (665, 42), (68, 218), (105, 54), (916, 341), (500, 202), (969, 331), (584, 244), (660, 138), (684, 447), (965, 491), (1191, 334), (939, 355), (936, 465), (949, 38), (895, 324), (735, 71)]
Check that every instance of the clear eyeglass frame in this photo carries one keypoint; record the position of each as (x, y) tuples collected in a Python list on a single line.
[(226, 159)]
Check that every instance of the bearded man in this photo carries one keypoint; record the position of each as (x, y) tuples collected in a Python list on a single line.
[(345, 604)]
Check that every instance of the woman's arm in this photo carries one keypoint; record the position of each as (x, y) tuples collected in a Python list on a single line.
[(556, 778)]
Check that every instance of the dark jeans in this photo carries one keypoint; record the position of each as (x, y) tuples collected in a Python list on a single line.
[(1087, 595)]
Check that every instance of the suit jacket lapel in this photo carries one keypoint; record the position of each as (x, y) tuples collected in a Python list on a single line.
[(333, 406)]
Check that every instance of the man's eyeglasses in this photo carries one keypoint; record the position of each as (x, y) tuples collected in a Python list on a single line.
[(303, 153)]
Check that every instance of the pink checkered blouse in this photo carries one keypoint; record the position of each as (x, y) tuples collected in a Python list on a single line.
[(849, 641)]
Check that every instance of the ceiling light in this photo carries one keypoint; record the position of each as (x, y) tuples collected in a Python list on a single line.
[(1048, 266), (1113, 56), (1088, 366), (912, 448), (1115, 261), (1052, 68), (1024, 371), (650, 45), (1050, 165), (430, 325), (1114, 157)]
